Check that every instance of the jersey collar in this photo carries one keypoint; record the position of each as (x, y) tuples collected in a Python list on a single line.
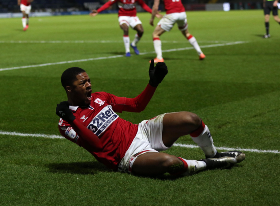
[(73, 108)]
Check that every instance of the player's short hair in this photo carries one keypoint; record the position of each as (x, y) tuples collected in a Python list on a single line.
[(69, 76)]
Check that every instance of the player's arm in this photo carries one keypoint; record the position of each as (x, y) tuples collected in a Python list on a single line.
[(63, 111), (18, 2), (148, 9), (140, 102), (102, 8), (275, 3), (154, 11), (144, 6)]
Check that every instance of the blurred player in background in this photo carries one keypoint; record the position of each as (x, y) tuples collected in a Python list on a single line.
[(175, 13), (25, 7), (127, 17), (268, 6), (90, 120)]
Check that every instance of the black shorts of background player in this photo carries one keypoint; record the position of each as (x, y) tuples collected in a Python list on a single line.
[(268, 6)]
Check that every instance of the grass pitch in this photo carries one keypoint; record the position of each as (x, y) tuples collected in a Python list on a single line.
[(235, 90)]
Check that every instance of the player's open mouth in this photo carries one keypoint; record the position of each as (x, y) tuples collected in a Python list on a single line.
[(89, 94)]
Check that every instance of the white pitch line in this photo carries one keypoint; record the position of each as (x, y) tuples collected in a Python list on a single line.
[(93, 42), (63, 62), (31, 135), (176, 144), (117, 56), (57, 42), (230, 148)]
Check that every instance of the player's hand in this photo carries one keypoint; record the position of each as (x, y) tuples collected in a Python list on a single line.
[(63, 111), (93, 13), (157, 73), (151, 22), (158, 15)]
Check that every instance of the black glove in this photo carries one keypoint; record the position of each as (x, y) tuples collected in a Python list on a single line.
[(157, 73), (63, 111)]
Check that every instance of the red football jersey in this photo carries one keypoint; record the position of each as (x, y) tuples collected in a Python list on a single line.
[(126, 7), (116, 134), (173, 6), (25, 2)]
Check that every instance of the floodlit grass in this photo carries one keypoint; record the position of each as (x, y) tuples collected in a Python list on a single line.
[(235, 90)]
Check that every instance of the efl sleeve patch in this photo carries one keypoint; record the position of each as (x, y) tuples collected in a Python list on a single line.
[(70, 132)]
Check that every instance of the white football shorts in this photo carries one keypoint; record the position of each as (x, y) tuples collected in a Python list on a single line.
[(27, 9), (147, 139), (129, 20), (167, 22)]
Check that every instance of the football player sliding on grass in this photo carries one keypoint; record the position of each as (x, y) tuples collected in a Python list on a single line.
[(91, 121)]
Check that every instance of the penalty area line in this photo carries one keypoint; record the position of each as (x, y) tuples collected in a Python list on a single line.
[(175, 144), (117, 56)]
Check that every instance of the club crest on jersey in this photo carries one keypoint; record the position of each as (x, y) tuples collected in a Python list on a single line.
[(99, 101), (102, 120)]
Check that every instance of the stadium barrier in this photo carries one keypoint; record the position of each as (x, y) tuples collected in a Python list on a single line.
[(189, 7)]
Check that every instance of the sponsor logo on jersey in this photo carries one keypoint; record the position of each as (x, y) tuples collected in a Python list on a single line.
[(127, 6), (99, 101), (102, 120)]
